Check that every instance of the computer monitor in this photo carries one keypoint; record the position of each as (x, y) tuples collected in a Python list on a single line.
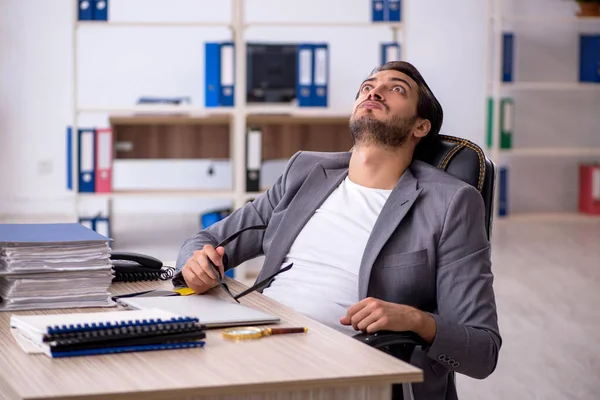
[(271, 72)]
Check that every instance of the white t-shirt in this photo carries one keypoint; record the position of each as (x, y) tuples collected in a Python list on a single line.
[(323, 282)]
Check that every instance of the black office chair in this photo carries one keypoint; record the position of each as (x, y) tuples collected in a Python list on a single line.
[(466, 161)]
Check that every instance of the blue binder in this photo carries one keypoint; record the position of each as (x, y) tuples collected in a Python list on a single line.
[(227, 74), (589, 58), (86, 150), (394, 10), (508, 49), (320, 75), (219, 71), (69, 158), (98, 224), (304, 74), (390, 52), (209, 218), (503, 192), (212, 74), (48, 233), (100, 12), (85, 9), (377, 10)]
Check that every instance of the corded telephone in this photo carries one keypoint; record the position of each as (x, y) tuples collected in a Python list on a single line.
[(134, 267)]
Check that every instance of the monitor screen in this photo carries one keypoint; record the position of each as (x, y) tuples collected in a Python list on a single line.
[(271, 72)]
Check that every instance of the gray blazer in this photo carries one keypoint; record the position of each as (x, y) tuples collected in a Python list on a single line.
[(428, 249)]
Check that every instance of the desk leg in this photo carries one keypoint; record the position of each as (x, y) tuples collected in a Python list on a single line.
[(367, 392)]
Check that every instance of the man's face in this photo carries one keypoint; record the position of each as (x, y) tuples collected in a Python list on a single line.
[(385, 110)]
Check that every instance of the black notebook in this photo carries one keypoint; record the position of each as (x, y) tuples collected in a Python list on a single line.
[(77, 334)]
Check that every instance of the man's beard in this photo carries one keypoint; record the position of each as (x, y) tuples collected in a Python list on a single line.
[(367, 130)]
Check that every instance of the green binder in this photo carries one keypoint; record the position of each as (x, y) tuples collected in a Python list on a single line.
[(507, 116)]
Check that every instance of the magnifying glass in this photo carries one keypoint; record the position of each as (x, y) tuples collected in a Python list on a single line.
[(252, 332)]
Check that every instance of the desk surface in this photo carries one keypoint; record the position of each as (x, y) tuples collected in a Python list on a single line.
[(321, 358)]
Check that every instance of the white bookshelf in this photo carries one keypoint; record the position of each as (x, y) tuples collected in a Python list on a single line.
[(238, 114), (555, 86), (497, 88), (201, 194), (553, 151), (530, 19)]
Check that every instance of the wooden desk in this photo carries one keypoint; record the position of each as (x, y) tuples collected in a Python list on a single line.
[(321, 364)]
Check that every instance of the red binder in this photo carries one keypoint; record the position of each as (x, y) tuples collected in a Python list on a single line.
[(589, 189), (104, 160)]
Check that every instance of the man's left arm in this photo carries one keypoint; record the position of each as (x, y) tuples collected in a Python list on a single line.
[(463, 335), (467, 339)]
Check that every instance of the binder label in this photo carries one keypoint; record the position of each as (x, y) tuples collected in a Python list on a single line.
[(321, 66), (254, 150), (87, 156), (596, 184), (104, 151), (391, 52), (305, 67), (102, 227), (507, 124), (227, 70)]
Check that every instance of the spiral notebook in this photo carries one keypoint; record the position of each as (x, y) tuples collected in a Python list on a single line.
[(78, 334)]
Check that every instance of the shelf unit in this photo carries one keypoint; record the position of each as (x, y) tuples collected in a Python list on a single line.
[(496, 86), (239, 116)]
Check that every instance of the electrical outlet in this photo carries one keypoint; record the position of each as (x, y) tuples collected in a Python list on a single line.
[(45, 167)]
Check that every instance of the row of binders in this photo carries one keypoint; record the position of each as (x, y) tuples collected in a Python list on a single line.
[(589, 57), (94, 161), (312, 77), (312, 72), (386, 10), (92, 10), (381, 10), (53, 266)]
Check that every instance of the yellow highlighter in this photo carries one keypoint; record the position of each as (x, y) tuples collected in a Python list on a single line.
[(186, 291)]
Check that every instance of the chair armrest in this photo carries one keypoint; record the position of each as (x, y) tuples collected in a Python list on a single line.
[(388, 338)]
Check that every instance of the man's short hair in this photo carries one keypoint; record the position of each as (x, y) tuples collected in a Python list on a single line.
[(428, 107)]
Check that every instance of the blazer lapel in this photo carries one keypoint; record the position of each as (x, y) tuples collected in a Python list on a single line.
[(319, 184), (394, 210)]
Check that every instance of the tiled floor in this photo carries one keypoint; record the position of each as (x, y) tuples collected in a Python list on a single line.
[(548, 293)]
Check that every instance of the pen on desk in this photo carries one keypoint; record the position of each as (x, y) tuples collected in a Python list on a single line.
[(281, 331)]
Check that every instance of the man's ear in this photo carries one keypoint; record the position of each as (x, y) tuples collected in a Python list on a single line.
[(422, 127)]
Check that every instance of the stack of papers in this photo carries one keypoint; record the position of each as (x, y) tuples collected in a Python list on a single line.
[(53, 266)]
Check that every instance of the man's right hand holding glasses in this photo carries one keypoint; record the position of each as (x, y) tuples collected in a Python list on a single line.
[(197, 274), (201, 270)]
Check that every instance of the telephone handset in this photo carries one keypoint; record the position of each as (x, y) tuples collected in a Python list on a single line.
[(134, 267)]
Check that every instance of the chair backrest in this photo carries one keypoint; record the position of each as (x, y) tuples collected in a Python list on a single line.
[(465, 160)]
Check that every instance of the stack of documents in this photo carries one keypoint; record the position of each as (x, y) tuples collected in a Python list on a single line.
[(53, 266), (82, 334)]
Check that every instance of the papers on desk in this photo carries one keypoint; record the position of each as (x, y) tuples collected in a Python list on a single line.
[(79, 334), (53, 266)]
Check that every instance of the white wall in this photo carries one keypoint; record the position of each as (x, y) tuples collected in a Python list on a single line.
[(120, 64)]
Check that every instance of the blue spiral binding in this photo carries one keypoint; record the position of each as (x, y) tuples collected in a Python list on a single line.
[(128, 349), (108, 325)]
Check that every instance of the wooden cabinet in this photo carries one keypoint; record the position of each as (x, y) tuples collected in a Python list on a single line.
[(183, 137)]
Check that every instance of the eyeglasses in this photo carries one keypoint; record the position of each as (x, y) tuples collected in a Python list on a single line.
[(217, 272)]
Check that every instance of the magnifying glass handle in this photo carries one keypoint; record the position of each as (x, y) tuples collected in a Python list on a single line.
[(281, 331)]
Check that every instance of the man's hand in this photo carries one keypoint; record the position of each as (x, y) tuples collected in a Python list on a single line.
[(196, 272), (371, 315)]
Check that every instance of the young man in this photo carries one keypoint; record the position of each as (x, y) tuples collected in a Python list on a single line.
[(378, 241)]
